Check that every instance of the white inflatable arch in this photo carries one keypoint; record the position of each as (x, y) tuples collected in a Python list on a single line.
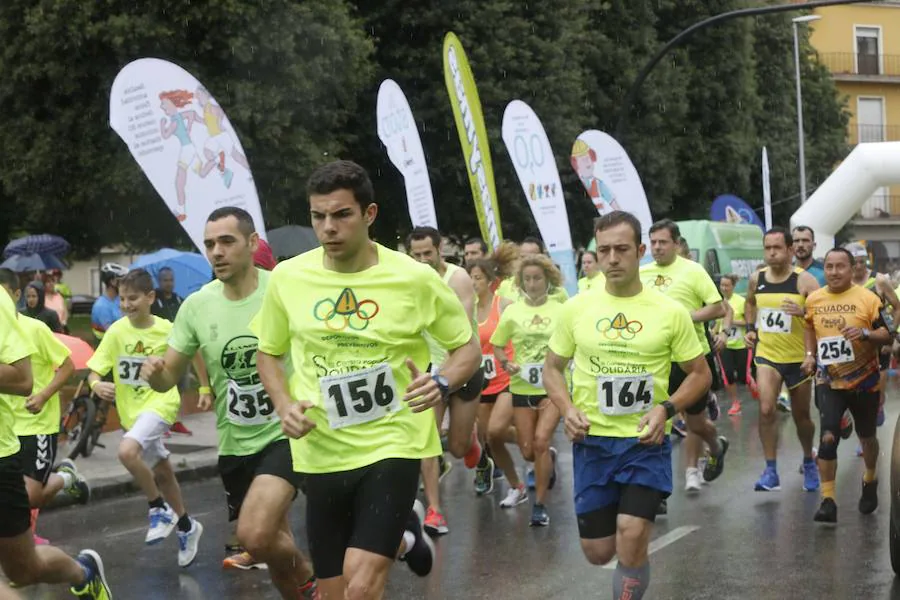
[(868, 167)]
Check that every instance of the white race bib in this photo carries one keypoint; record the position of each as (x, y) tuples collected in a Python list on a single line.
[(774, 321), (835, 350), (625, 395), (489, 364), (360, 397), (249, 405), (734, 334), (533, 373), (129, 370)]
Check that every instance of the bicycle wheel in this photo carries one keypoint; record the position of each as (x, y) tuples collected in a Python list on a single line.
[(77, 424)]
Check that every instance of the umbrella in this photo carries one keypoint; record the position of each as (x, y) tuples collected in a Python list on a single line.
[(42, 243), (21, 263), (291, 240), (191, 270), (81, 350)]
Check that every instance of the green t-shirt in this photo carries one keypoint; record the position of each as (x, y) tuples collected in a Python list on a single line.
[(50, 354), (529, 328), (123, 350), (686, 282), (14, 346), (220, 329), (349, 337), (736, 334), (623, 350)]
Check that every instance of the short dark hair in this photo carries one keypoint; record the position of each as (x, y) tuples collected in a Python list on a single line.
[(669, 225), (422, 233), (165, 270), (591, 252), (245, 221), (732, 277), (812, 233), (777, 230), (618, 217), (138, 280), (843, 251), (477, 240), (342, 175), (536, 241), (9, 279)]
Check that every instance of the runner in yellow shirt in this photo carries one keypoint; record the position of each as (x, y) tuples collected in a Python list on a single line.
[(593, 276), (734, 355), (530, 246), (352, 313)]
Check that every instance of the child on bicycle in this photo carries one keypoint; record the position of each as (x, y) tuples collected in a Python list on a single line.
[(146, 415)]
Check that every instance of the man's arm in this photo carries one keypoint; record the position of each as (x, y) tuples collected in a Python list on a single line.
[(164, 373), (806, 284), (462, 363), (695, 384), (16, 378), (37, 401), (750, 310), (710, 312), (555, 381), (461, 283)]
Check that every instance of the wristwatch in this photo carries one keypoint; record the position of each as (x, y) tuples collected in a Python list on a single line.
[(443, 385), (670, 409), (866, 333)]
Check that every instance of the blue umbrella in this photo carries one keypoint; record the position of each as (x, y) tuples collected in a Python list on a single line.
[(21, 263), (191, 270), (42, 243)]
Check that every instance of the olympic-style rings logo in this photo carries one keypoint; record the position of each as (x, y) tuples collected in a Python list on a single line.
[(345, 312), (538, 323), (619, 328), (662, 282)]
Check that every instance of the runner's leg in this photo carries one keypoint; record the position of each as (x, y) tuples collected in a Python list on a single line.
[(462, 425), (27, 564), (168, 485), (547, 420), (130, 455), (498, 436), (769, 381), (806, 429)]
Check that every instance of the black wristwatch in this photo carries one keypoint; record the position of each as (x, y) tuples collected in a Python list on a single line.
[(670, 409), (443, 385)]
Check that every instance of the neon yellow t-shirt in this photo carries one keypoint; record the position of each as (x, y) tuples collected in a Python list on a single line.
[(623, 350), (508, 289), (14, 346), (49, 356), (735, 340), (686, 282), (591, 283), (529, 328), (123, 350), (349, 335)]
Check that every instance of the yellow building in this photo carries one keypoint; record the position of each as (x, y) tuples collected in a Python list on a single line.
[(860, 45)]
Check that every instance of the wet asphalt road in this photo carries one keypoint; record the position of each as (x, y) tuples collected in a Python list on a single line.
[(725, 542)]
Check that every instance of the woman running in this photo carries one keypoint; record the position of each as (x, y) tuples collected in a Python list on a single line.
[(591, 270), (528, 323), (734, 356)]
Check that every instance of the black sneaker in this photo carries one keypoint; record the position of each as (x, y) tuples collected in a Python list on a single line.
[(420, 557), (827, 512), (663, 508), (716, 464), (868, 501)]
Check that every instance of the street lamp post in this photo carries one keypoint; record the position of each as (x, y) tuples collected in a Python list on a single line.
[(801, 143)]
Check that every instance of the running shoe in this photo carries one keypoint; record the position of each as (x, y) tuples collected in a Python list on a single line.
[(553, 460), (310, 590), (539, 516), (735, 410), (484, 480), (784, 403), (827, 512), (420, 557), (473, 456), (868, 501), (712, 407), (498, 472), (716, 464), (810, 477), (179, 427), (768, 481), (846, 426), (679, 428), (529, 479), (243, 561), (692, 480), (514, 497), (435, 523), (189, 543), (162, 522), (79, 490), (95, 587)]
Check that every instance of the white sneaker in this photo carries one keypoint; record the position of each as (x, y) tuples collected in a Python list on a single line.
[(692, 480), (189, 543), (162, 522), (514, 497)]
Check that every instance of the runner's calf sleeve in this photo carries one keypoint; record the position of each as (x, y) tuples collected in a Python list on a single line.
[(630, 583)]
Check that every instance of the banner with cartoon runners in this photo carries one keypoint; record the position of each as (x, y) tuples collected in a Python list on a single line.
[(609, 177), (184, 143)]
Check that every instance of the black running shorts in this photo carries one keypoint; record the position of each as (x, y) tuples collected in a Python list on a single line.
[(238, 472), (15, 510)]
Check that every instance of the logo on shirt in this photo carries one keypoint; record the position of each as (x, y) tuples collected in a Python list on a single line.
[(138, 349), (835, 322), (661, 283), (619, 327), (239, 359), (536, 323), (345, 312)]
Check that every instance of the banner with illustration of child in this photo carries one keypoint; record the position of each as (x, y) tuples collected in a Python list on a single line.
[(184, 143)]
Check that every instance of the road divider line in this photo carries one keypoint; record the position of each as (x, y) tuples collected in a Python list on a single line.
[(663, 541)]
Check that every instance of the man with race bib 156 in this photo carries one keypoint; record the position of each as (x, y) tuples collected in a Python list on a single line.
[(624, 340), (254, 456), (352, 314)]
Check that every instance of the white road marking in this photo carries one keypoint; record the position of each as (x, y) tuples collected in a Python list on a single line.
[(663, 541)]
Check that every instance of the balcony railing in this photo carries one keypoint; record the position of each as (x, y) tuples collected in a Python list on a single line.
[(864, 132), (850, 63), (881, 206)]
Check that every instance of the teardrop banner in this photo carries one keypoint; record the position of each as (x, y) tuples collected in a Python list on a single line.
[(728, 208), (398, 132), (184, 143), (609, 177), (469, 118), (531, 154)]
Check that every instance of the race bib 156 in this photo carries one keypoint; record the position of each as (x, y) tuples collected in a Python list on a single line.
[(360, 397)]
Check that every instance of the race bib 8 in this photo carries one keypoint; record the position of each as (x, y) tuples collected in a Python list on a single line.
[(625, 395), (835, 350), (533, 373), (360, 397), (774, 321), (489, 365), (249, 405), (129, 370)]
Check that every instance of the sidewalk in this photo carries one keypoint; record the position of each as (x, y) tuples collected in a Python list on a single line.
[(193, 457)]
